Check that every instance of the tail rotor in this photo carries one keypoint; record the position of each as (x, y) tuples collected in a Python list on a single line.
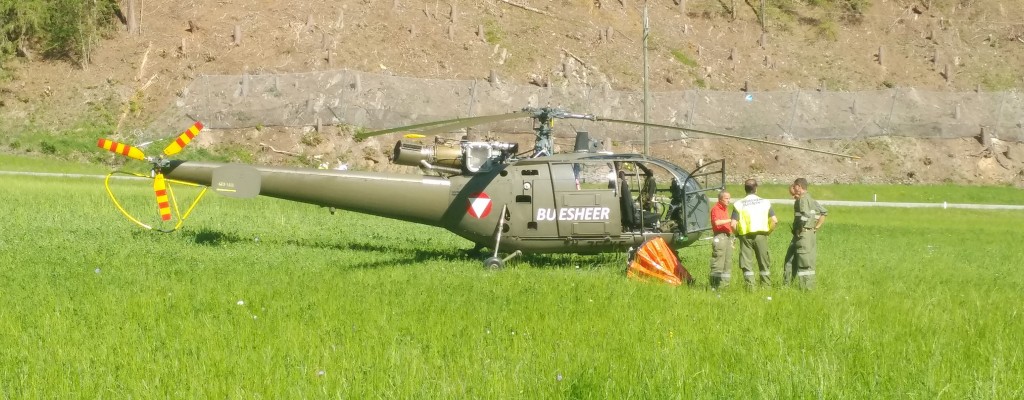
[(161, 187)]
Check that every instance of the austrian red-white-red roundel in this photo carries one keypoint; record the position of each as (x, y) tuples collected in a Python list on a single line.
[(479, 205)]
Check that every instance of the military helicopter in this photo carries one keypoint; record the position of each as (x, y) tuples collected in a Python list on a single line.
[(488, 192)]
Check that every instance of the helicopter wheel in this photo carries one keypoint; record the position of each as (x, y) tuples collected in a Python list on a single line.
[(494, 263)]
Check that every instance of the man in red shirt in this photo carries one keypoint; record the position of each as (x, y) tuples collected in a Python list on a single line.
[(721, 246)]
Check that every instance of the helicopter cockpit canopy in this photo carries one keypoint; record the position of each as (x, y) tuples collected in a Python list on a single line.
[(654, 195)]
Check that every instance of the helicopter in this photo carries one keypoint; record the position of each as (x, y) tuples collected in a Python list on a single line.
[(489, 192)]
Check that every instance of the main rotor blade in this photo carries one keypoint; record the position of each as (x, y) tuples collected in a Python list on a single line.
[(122, 149), (677, 128), (467, 122), (446, 125), (183, 139)]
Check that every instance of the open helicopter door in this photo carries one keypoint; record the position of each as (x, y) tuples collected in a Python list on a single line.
[(694, 212)]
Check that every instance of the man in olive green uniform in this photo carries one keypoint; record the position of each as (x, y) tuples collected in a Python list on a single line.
[(754, 219), (809, 216)]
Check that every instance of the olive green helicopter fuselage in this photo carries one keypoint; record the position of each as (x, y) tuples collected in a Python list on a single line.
[(567, 203)]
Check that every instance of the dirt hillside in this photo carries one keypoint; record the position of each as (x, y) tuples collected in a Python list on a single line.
[(935, 45)]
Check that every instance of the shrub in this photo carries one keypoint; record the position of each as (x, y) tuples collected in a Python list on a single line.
[(60, 29)]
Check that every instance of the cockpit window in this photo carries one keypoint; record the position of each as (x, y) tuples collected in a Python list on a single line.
[(587, 175)]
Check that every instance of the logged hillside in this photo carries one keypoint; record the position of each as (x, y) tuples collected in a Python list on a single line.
[(845, 45)]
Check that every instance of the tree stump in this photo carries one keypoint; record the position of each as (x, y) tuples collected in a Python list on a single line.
[(985, 138), (132, 17)]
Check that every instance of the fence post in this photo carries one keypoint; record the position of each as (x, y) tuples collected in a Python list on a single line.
[(693, 106), (999, 114), (888, 121), (792, 117), (245, 85)]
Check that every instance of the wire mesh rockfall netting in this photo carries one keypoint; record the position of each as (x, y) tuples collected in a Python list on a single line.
[(374, 101)]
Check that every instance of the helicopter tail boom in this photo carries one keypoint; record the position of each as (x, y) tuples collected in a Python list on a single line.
[(420, 199)]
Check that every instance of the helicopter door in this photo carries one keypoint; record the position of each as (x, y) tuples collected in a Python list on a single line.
[(583, 205), (533, 203)]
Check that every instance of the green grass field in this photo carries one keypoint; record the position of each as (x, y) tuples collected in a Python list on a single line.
[(269, 299)]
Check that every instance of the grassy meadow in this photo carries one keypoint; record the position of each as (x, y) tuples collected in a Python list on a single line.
[(268, 299)]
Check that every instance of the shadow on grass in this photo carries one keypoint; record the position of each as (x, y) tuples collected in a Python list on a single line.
[(390, 255), (573, 261), (209, 237)]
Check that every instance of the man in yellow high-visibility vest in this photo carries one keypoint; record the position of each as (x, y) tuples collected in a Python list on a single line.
[(754, 219)]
